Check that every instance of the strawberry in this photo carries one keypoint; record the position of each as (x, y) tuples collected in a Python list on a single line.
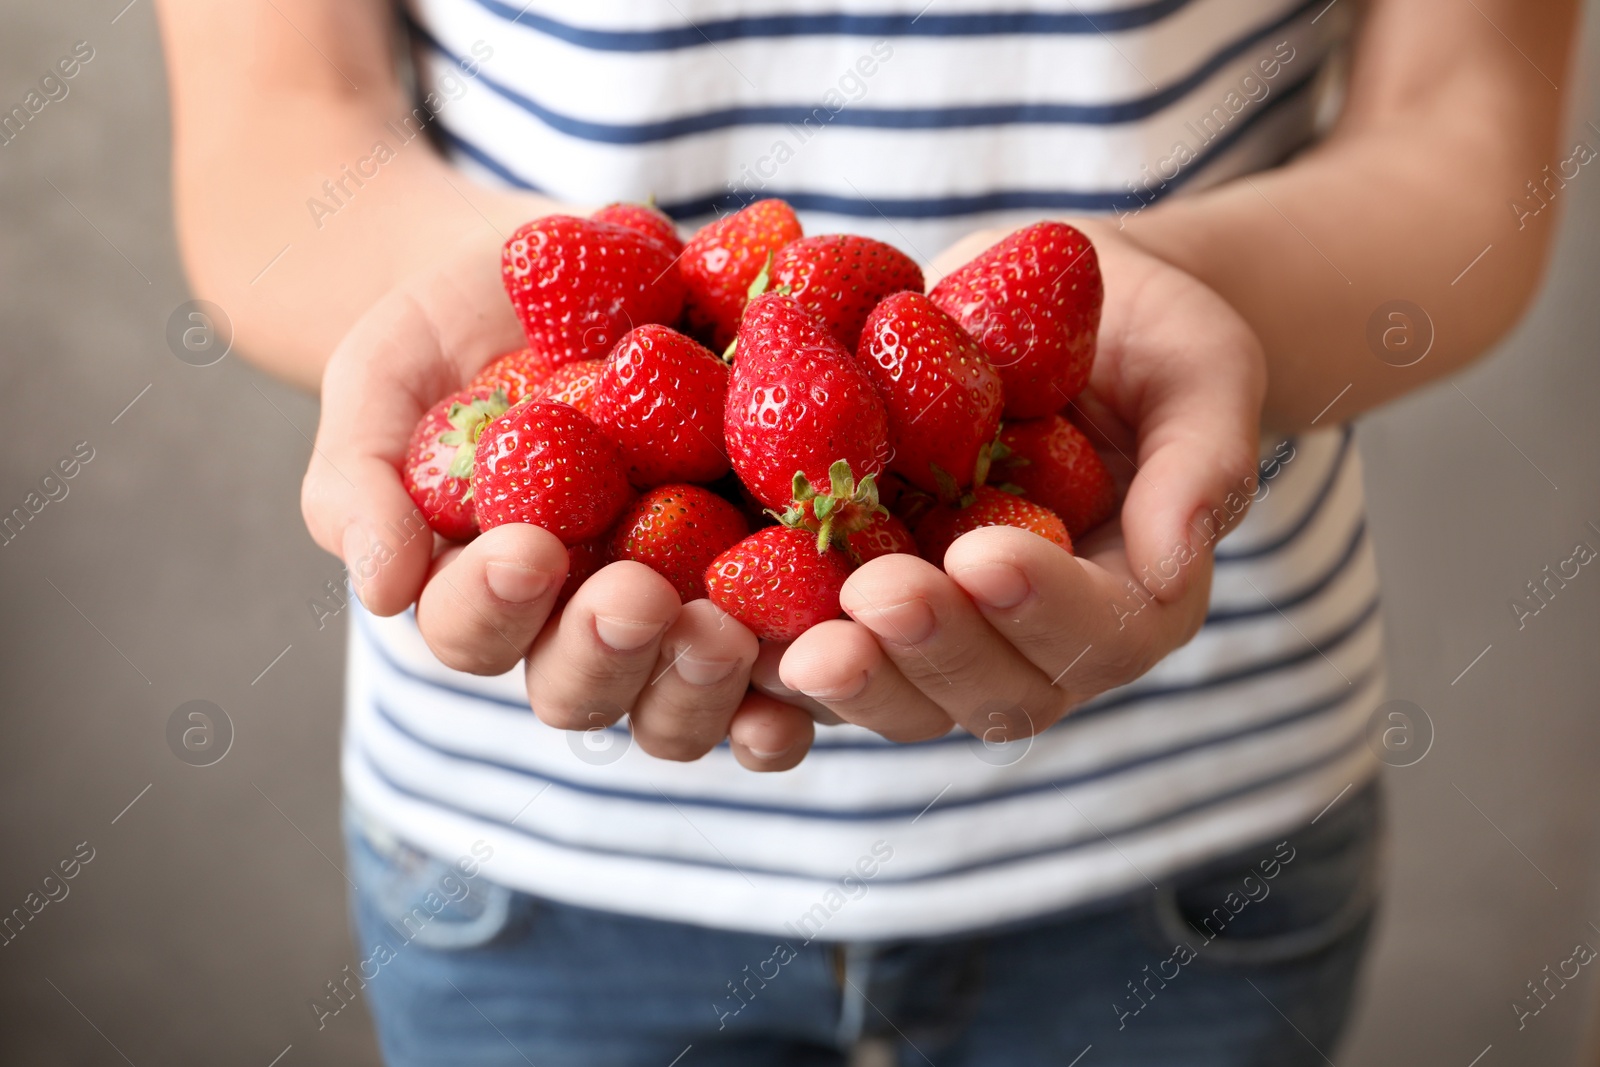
[(840, 277), (660, 396), (799, 409), (1033, 303), (990, 507), (572, 383), (1054, 464), (646, 218), (777, 583), (883, 536), (942, 394), (516, 374), (545, 463), (437, 469), (720, 262), (677, 530), (583, 559), (577, 285)]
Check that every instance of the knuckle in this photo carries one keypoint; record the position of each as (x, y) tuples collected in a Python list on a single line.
[(678, 748), (471, 658), (560, 715)]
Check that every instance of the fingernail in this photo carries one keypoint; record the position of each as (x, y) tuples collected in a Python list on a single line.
[(769, 756), (514, 583), (995, 585), (849, 691), (626, 635), (909, 623), (698, 671)]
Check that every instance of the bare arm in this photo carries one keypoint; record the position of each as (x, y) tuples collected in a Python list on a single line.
[(272, 98), (1453, 109)]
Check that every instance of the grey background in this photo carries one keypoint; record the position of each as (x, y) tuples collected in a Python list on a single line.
[(177, 569)]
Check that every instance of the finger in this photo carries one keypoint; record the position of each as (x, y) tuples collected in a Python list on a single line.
[(484, 603), (1197, 408), (769, 735), (356, 507), (766, 677), (414, 346), (841, 665), (939, 641), (1085, 627), (702, 673), (588, 668)]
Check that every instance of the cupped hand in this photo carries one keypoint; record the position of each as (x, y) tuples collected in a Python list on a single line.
[(623, 645), (1014, 633)]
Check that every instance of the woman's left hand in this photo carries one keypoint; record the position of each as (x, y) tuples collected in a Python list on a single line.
[(1014, 633)]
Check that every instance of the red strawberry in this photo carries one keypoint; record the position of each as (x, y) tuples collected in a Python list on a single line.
[(883, 536), (942, 394), (583, 559), (1056, 465), (990, 507), (840, 277), (1033, 303), (646, 218), (799, 409), (437, 469), (721, 261), (545, 463), (677, 530), (777, 583), (660, 396), (577, 285), (572, 383), (516, 374)]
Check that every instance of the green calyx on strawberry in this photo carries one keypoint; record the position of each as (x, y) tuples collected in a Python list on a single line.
[(948, 491), (468, 420), (432, 469), (798, 402), (846, 508)]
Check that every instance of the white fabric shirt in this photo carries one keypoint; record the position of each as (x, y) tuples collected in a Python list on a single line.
[(916, 123)]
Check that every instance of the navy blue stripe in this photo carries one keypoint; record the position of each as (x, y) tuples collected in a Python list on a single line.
[(838, 24), (924, 118), (1008, 859), (1133, 694), (940, 207), (1301, 595), (1121, 698), (1267, 548), (891, 812)]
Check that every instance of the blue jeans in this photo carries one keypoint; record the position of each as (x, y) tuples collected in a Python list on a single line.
[(1250, 960)]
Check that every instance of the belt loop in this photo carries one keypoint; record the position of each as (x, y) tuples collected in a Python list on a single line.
[(852, 964)]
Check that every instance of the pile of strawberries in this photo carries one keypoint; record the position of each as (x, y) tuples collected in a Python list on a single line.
[(838, 415)]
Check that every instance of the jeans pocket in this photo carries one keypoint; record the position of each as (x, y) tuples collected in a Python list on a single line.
[(1282, 901), (427, 901)]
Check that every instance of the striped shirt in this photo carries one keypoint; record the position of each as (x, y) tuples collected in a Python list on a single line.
[(916, 123)]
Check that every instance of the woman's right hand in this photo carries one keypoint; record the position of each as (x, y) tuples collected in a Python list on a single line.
[(623, 645)]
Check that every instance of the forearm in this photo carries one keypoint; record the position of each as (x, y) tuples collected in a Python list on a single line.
[(302, 191), (1417, 180)]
